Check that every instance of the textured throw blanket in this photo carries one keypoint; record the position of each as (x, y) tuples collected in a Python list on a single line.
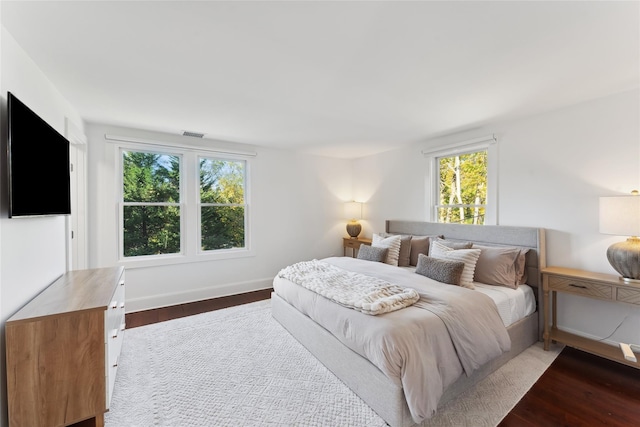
[(363, 293)]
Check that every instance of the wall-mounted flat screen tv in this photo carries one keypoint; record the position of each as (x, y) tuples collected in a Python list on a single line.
[(38, 164)]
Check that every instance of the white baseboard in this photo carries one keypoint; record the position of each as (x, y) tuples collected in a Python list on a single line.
[(174, 298)]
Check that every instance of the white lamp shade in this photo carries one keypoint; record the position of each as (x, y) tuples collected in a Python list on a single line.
[(353, 210), (620, 215)]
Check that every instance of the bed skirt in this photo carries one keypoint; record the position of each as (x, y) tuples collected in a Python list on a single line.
[(382, 394)]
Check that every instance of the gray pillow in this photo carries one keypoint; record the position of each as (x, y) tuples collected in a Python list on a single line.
[(501, 266), (441, 270), (372, 253)]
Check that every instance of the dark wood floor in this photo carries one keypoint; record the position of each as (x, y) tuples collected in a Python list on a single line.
[(141, 318), (580, 389), (577, 390)]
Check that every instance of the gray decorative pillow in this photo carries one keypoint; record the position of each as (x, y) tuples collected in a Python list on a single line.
[(392, 243), (372, 253), (468, 256), (444, 271)]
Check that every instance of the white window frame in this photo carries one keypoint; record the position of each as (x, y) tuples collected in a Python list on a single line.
[(122, 204), (199, 204), (488, 143), (190, 235)]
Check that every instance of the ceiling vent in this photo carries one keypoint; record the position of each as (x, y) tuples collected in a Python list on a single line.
[(192, 134)]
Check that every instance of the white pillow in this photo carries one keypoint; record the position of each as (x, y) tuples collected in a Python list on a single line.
[(392, 243), (468, 256)]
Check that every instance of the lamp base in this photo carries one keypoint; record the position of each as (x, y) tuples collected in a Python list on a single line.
[(353, 229), (624, 257)]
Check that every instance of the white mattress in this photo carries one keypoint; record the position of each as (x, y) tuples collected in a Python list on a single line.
[(513, 304)]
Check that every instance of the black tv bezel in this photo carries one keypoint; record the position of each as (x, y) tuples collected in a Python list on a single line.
[(62, 191)]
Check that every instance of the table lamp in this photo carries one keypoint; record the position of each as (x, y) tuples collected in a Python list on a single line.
[(353, 212), (620, 216)]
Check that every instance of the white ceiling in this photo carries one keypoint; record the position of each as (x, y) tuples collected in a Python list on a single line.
[(334, 78)]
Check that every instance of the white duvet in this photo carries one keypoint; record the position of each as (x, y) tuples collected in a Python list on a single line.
[(450, 331)]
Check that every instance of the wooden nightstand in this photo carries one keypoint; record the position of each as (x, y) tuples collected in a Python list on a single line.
[(590, 285), (354, 244)]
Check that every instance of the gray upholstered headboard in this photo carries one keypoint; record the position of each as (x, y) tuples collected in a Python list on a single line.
[(489, 235)]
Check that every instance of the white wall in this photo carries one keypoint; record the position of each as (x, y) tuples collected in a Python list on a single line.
[(32, 250), (295, 213), (552, 169)]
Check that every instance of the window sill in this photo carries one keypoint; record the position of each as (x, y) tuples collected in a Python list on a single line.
[(162, 260)]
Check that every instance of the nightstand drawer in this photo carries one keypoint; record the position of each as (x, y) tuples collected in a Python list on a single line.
[(632, 296), (352, 243), (580, 287)]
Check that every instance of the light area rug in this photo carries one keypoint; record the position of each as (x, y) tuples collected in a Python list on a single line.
[(240, 367)]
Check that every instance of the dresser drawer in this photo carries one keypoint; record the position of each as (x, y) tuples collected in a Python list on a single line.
[(580, 287), (116, 309), (631, 296), (113, 349), (114, 330)]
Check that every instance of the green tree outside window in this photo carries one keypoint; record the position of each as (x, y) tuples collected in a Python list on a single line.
[(462, 194), (222, 204), (151, 203)]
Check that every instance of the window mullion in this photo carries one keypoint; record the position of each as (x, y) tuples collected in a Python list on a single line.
[(190, 204)]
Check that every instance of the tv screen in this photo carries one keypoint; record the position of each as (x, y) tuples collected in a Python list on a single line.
[(38, 157)]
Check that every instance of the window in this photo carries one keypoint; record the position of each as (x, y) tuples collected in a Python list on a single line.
[(222, 204), (462, 188), (151, 203), (181, 205), (464, 182)]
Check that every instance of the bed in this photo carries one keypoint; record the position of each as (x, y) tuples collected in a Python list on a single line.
[(387, 382)]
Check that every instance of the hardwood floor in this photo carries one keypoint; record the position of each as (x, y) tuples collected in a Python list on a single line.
[(578, 389), (141, 318)]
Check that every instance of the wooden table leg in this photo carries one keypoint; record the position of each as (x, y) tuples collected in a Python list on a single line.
[(554, 313), (545, 334)]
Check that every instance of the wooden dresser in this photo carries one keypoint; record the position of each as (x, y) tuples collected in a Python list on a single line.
[(63, 348)]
